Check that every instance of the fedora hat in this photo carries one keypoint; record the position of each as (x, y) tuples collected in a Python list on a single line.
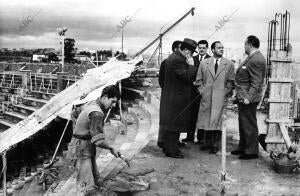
[(189, 44)]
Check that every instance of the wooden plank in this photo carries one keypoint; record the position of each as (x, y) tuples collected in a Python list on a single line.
[(280, 101), (35, 100), (25, 107), (6, 123), (279, 120), (280, 80), (282, 59), (15, 115)]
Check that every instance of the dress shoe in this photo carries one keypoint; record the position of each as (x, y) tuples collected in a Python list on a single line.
[(181, 144), (186, 140), (213, 150), (160, 144), (175, 155), (200, 142), (237, 152), (205, 147), (248, 156)]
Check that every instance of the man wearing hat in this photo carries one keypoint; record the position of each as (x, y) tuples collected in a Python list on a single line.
[(161, 80), (177, 97)]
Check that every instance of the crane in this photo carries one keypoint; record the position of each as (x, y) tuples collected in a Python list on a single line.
[(159, 37)]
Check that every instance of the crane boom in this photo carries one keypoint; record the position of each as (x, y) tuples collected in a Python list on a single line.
[(191, 11)]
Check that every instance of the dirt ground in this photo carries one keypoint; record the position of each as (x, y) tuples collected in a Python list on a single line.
[(199, 171)]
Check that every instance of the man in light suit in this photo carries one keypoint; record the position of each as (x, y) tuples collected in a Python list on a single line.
[(248, 82), (215, 79), (202, 48)]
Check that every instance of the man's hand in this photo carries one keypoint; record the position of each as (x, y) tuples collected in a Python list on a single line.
[(246, 101), (114, 152), (189, 60)]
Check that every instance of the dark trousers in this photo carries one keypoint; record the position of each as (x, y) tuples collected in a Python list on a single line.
[(170, 141), (200, 134), (160, 135), (213, 138), (248, 128)]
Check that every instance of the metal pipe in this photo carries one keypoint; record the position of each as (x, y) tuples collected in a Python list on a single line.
[(4, 165), (288, 34), (61, 137), (191, 11), (284, 32)]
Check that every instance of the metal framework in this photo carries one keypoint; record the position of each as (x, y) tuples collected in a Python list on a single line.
[(160, 36)]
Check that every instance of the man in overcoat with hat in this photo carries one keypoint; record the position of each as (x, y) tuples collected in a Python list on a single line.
[(177, 97)]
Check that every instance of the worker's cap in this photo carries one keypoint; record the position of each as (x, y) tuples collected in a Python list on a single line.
[(189, 44)]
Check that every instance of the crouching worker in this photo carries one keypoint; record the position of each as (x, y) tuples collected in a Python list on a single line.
[(89, 135)]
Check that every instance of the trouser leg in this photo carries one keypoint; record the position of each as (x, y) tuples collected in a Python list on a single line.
[(241, 119), (160, 135), (248, 128), (200, 135), (208, 138), (171, 142), (216, 138), (191, 134)]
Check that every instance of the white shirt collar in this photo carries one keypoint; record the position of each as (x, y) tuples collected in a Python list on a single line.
[(253, 51), (219, 60)]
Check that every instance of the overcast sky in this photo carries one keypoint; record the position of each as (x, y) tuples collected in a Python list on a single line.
[(92, 22)]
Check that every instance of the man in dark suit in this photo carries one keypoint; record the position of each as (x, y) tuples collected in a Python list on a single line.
[(175, 111), (248, 83), (161, 79), (202, 48)]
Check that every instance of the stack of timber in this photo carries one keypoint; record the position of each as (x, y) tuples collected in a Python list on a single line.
[(280, 100)]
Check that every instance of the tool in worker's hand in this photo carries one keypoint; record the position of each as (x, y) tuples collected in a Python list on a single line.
[(124, 159)]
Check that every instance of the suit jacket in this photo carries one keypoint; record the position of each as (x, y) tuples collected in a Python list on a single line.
[(177, 94), (197, 61), (250, 77)]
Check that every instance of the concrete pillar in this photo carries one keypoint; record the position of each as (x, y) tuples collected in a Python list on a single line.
[(60, 76), (25, 78)]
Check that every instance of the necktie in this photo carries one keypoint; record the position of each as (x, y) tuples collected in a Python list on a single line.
[(216, 65), (201, 57)]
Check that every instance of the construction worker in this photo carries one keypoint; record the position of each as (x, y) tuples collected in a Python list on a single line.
[(89, 135)]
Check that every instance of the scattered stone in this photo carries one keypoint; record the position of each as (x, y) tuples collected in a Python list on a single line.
[(154, 184), (138, 171), (127, 183)]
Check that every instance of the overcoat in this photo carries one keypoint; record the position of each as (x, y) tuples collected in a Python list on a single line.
[(214, 89), (177, 97)]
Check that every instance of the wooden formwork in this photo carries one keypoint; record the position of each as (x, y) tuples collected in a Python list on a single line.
[(280, 99)]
